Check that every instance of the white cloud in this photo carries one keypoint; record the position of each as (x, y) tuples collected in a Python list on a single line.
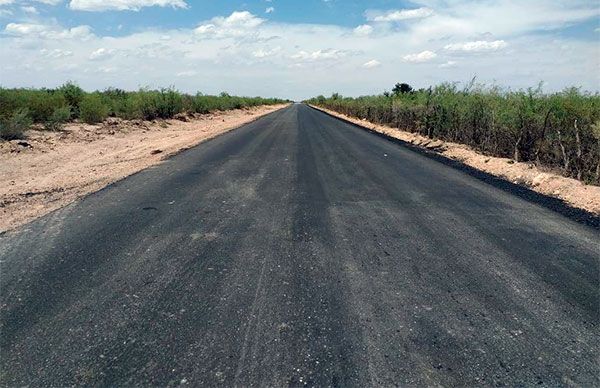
[(105, 69), (399, 15), (371, 64), (56, 53), (49, 2), (123, 5), (237, 24), (477, 46), (47, 31), (79, 32), (24, 28), (262, 53), (187, 73), (447, 65), (205, 29), (270, 10), (423, 56), (6, 2), (464, 19), (319, 55), (363, 30), (29, 9), (259, 57), (102, 53)]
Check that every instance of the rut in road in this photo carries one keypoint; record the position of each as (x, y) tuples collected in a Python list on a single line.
[(296, 250)]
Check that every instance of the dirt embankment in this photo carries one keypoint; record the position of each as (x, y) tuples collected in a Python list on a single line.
[(49, 170), (541, 180)]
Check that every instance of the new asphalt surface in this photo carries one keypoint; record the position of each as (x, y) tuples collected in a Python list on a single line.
[(295, 250)]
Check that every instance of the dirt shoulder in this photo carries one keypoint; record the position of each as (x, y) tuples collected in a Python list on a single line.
[(49, 170), (543, 181)]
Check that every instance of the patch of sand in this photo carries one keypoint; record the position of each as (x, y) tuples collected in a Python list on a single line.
[(544, 181), (49, 170)]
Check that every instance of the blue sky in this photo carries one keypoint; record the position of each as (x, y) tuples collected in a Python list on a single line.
[(298, 49), (290, 11)]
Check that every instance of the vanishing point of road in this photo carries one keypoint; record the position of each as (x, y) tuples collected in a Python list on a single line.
[(300, 250)]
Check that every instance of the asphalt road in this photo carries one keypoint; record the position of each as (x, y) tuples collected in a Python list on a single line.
[(298, 250)]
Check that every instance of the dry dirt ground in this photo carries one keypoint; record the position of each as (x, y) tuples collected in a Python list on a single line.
[(541, 180), (49, 170)]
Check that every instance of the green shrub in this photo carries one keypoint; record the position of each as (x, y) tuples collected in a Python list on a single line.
[(41, 104), (164, 103), (128, 108), (15, 126), (53, 107), (169, 104), (93, 109), (10, 102), (59, 117), (147, 102), (73, 95), (204, 103)]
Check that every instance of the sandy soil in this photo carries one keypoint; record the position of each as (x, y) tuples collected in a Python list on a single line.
[(49, 170), (541, 180)]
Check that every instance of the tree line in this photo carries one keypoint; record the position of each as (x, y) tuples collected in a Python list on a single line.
[(22, 107)]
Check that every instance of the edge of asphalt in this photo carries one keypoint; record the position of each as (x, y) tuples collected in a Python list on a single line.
[(554, 204), (165, 158)]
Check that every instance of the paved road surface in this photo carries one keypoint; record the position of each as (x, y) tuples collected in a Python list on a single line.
[(297, 250)]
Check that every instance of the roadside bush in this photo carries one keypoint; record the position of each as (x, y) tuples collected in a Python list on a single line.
[(121, 103), (92, 109), (58, 118), (40, 103), (128, 108), (555, 130), (206, 103), (10, 102), (170, 103), (164, 103), (147, 102), (73, 96), (53, 107), (15, 126)]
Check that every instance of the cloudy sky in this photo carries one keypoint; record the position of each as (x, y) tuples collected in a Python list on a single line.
[(298, 48)]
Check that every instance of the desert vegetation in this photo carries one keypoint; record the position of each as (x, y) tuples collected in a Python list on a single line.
[(50, 108), (557, 130)]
